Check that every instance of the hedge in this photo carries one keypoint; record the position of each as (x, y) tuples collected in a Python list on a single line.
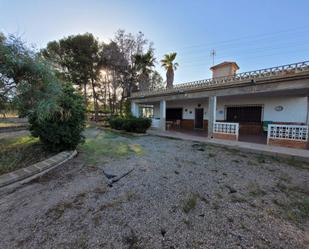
[(131, 124)]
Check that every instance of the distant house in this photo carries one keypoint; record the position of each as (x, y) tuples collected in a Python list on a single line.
[(267, 105)]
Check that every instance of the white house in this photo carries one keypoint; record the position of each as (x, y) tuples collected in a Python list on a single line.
[(266, 106)]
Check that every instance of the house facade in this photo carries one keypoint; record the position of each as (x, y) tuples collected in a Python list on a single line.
[(266, 106)]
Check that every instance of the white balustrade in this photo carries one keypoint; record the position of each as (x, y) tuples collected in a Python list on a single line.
[(155, 123), (235, 79), (227, 128), (288, 132)]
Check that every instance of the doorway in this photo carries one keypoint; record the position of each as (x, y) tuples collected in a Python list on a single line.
[(199, 118)]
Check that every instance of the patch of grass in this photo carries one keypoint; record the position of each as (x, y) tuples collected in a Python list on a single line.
[(261, 159), (137, 149), (81, 242), (232, 151), (58, 210), (295, 163), (298, 211), (285, 178), (255, 190), (100, 190), (252, 163), (244, 155), (131, 240), (20, 152), (295, 206), (109, 144), (219, 195), (189, 203), (211, 155), (236, 198), (201, 147), (215, 205)]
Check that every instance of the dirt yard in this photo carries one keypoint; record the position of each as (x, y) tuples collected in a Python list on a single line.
[(180, 194)]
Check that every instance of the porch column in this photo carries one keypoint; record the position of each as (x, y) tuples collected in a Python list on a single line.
[(212, 108), (162, 115), (307, 110), (134, 109)]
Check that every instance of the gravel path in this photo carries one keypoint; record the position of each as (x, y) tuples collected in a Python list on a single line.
[(180, 195)]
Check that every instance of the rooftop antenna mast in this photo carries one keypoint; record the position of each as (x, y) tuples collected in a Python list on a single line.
[(213, 53)]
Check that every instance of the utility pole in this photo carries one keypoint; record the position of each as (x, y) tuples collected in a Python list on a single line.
[(213, 54)]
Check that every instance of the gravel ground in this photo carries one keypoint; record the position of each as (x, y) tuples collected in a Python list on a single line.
[(180, 194)]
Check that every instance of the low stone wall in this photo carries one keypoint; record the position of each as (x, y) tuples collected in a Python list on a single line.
[(288, 143), (13, 128), (225, 136), (20, 176)]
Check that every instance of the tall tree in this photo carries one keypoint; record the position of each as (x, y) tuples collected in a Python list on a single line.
[(113, 65), (144, 64), (156, 81), (77, 59), (170, 66), (73, 56), (130, 45)]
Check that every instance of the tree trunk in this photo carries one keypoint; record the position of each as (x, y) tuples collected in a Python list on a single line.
[(85, 94), (121, 103), (95, 102), (169, 78)]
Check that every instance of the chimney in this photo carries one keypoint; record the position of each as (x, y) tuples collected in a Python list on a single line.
[(224, 69)]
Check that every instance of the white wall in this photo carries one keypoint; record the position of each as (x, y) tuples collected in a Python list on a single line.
[(294, 108)]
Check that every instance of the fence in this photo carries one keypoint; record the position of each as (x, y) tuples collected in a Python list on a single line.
[(227, 128), (288, 132), (283, 70)]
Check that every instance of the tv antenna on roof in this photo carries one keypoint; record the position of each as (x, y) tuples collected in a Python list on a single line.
[(213, 53)]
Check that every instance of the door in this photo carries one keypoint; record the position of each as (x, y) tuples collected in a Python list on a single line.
[(199, 114)]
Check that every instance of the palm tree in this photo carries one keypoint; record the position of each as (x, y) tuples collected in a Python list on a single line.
[(144, 65), (170, 66)]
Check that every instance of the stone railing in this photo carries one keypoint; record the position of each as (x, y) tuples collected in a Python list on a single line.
[(227, 129), (235, 79), (295, 136), (289, 132), (155, 122)]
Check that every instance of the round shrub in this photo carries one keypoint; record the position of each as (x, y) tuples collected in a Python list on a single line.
[(117, 123), (62, 130), (131, 124)]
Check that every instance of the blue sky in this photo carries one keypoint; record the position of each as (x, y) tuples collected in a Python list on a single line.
[(255, 34)]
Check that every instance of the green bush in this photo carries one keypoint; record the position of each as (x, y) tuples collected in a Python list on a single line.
[(131, 124), (63, 129), (116, 123), (56, 113)]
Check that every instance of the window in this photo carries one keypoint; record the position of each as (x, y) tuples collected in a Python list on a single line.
[(244, 114), (147, 111)]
